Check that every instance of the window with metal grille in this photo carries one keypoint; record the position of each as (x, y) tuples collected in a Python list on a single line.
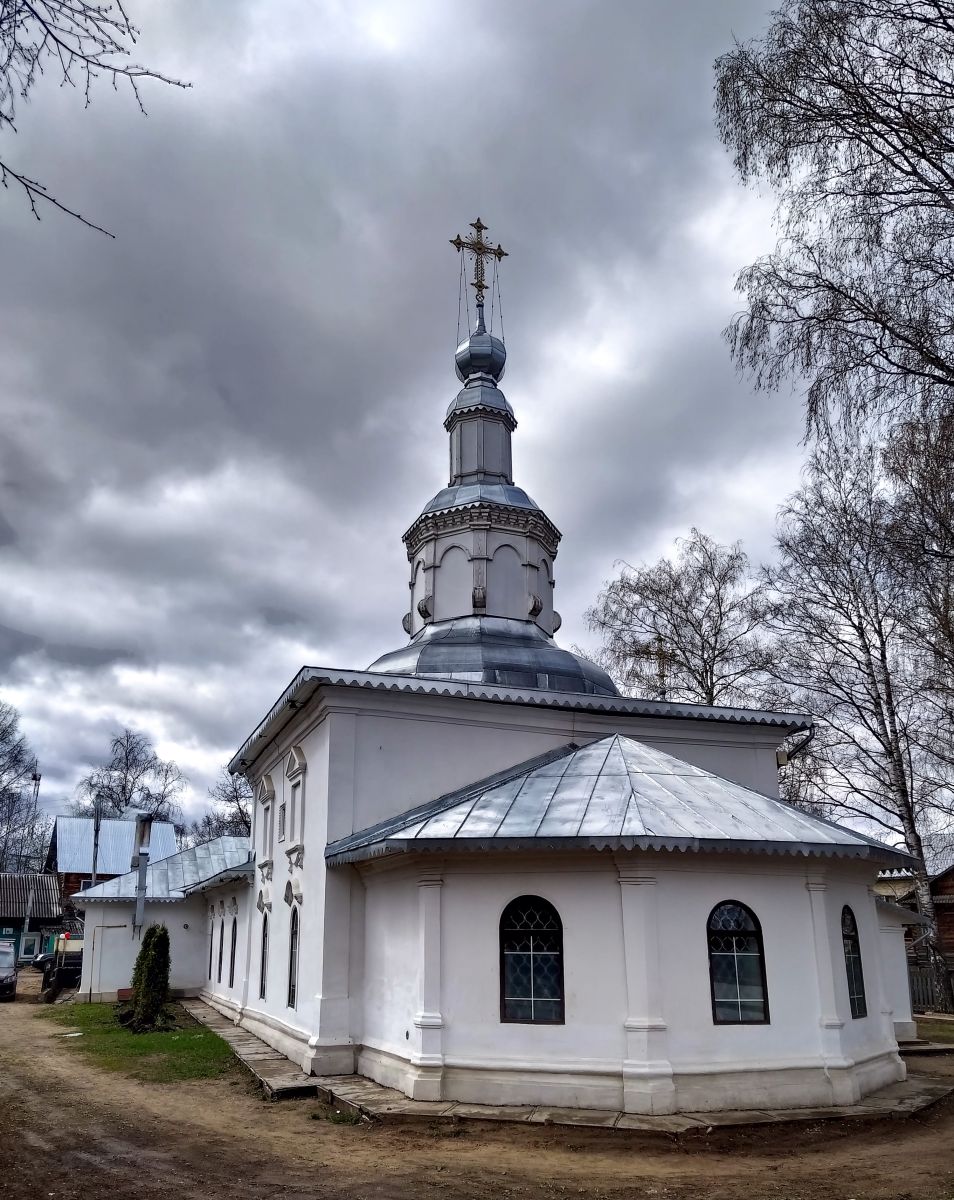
[(856, 977), (211, 946), (221, 944), (736, 966), (293, 959), (281, 822), (531, 963), (234, 941), (263, 965)]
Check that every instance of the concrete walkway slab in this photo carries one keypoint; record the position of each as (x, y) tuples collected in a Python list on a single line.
[(281, 1078)]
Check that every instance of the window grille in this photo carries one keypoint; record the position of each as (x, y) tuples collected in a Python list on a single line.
[(211, 946), (737, 966), (221, 944), (293, 959), (263, 965), (856, 977), (531, 963), (281, 822)]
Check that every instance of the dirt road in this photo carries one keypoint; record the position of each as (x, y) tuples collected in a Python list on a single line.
[(71, 1132)]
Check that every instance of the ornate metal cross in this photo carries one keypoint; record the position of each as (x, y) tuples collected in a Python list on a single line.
[(481, 250)]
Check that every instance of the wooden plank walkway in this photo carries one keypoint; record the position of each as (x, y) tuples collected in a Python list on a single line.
[(280, 1078), (278, 1075)]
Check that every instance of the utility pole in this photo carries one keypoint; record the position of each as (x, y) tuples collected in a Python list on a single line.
[(97, 821)]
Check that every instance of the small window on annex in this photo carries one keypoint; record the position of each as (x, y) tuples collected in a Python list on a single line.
[(234, 941), (293, 959), (263, 965), (856, 978), (737, 966), (531, 963)]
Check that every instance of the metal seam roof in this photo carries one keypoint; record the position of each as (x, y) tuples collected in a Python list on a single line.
[(73, 842), (169, 879), (314, 677), (614, 793)]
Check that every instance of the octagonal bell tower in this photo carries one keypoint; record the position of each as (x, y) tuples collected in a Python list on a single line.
[(482, 552)]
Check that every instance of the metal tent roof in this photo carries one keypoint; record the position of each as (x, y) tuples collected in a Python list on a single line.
[(615, 793), (15, 896), (71, 846), (172, 877)]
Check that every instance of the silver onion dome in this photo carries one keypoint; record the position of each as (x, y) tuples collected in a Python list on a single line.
[(494, 650), (480, 354)]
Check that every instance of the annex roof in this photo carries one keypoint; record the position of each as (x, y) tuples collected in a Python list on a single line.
[(15, 896), (71, 845), (309, 679), (614, 794), (173, 877)]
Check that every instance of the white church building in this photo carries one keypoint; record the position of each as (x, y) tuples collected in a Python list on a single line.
[(479, 873)]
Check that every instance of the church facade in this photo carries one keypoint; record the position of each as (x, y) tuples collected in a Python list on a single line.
[(477, 872)]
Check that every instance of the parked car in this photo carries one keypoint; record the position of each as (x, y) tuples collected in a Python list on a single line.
[(8, 971)]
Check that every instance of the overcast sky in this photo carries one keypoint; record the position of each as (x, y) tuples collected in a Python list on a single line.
[(217, 427)]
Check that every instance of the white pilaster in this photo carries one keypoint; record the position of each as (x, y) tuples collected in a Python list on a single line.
[(427, 1057), (647, 1072), (830, 1023)]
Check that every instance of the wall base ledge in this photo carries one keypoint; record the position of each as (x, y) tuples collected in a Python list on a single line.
[(635, 1087)]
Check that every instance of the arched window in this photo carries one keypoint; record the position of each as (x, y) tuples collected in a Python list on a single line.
[(232, 953), (211, 945), (531, 962), (263, 965), (293, 959), (221, 943), (856, 978), (737, 966)]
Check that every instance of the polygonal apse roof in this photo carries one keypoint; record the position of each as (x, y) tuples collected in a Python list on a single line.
[(615, 793)]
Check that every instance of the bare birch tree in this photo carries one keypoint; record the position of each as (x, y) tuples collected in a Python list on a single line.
[(230, 814), (839, 611), (133, 777), (24, 828), (75, 42), (688, 627), (845, 109)]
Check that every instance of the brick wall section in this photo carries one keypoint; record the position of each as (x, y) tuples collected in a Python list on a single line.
[(73, 883)]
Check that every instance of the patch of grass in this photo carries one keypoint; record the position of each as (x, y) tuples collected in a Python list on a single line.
[(935, 1031), (188, 1051)]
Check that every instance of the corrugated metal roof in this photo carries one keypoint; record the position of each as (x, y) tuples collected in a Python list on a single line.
[(615, 793), (309, 679), (73, 845), (170, 878), (15, 896)]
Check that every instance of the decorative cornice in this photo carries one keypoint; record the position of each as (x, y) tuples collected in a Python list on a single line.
[(483, 515), (479, 408)]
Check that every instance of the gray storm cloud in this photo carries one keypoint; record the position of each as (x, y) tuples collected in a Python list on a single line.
[(218, 426)]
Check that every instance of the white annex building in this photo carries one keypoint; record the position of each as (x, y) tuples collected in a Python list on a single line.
[(479, 873)]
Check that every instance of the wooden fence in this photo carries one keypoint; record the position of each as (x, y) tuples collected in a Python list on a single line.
[(926, 996)]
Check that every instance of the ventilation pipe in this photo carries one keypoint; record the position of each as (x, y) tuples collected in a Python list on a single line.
[(140, 859)]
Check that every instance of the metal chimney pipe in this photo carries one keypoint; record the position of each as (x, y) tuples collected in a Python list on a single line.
[(141, 860)]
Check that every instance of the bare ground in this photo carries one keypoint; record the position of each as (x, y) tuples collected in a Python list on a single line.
[(72, 1132)]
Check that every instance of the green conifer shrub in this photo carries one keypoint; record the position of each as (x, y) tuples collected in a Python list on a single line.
[(151, 980)]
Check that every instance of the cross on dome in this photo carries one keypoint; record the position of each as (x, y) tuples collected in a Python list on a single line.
[(481, 250)]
